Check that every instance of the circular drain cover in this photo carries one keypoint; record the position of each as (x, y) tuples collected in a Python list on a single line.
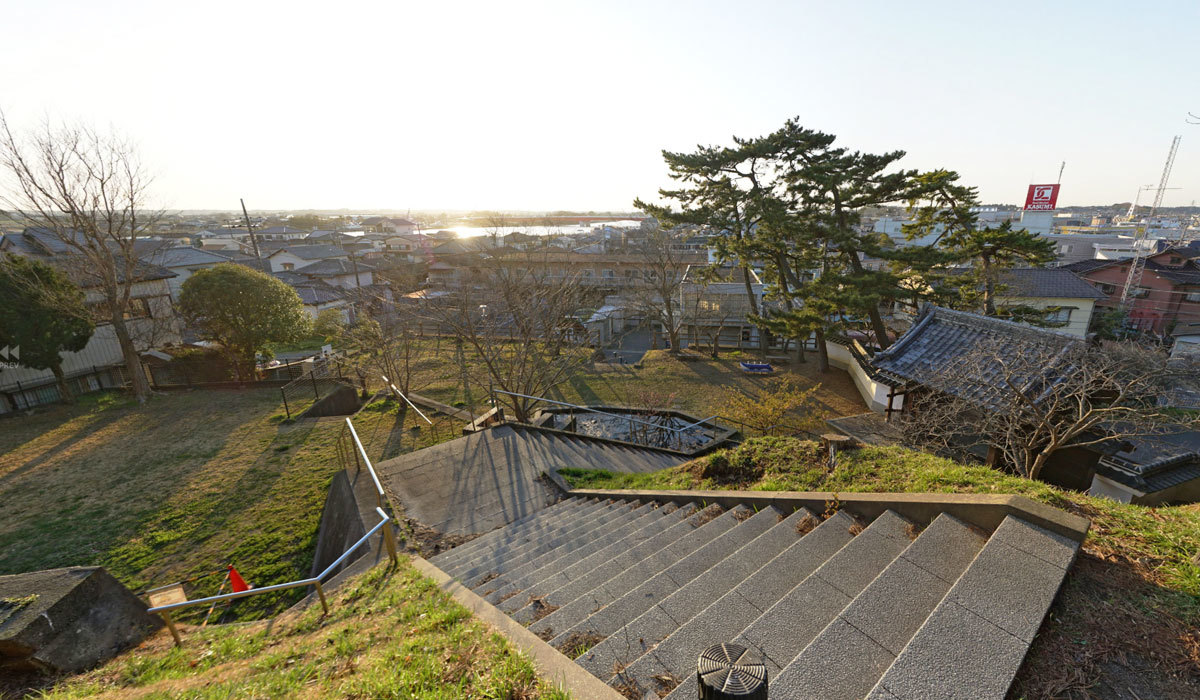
[(730, 671)]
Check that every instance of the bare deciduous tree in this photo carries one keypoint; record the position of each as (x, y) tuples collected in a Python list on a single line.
[(89, 190), (1027, 406), (520, 323), (657, 295)]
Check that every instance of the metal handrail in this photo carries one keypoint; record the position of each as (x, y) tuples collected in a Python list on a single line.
[(399, 393), (605, 413), (388, 538)]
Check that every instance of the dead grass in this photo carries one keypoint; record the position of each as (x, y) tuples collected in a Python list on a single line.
[(578, 643)]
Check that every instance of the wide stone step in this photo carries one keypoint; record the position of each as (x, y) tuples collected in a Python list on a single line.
[(576, 610), (581, 532), (514, 581), (975, 640), (789, 625), (667, 615), (619, 612), (551, 530), (657, 664), (537, 602), (670, 516), (529, 522), (852, 652)]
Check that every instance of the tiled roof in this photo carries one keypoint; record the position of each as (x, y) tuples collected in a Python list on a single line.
[(1089, 265), (333, 267), (313, 252), (181, 256), (1046, 282), (1156, 463), (942, 338)]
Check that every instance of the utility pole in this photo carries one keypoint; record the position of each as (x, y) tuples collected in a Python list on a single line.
[(250, 230)]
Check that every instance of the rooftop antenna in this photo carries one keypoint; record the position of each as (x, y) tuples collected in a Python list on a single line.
[(250, 230), (1137, 264)]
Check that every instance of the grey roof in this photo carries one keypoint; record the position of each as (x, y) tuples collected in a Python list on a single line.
[(313, 252), (274, 230), (333, 267), (1088, 265), (941, 338), (183, 256), (1045, 282), (1155, 463)]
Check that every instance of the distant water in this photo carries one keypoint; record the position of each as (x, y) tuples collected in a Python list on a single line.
[(472, 231)]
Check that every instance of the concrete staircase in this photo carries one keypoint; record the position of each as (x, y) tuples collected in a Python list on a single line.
[(837, 607)]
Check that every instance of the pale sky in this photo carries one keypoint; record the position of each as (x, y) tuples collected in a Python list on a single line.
[(566, 105)]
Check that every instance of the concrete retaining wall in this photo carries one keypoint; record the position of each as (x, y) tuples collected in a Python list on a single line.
[(343, 401), (68, 620), (341, 523), (873, 393)]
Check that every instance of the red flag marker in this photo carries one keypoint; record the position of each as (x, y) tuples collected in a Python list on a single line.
[(236, 581)]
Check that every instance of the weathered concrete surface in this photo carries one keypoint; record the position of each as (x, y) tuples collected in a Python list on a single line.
[(343, 401), (341, 523), (66, 620), (493, 477)]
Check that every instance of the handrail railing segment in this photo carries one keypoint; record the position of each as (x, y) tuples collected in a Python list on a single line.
[(388, 538)]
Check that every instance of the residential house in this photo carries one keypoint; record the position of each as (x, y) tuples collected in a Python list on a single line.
[(183, 261), (280, 233), (151, 320), (339, 272), (1169, 293), (317, 295), (1067, 301), (382, 224), (291, 257)]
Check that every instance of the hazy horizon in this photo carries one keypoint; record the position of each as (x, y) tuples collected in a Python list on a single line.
[(541, 106)]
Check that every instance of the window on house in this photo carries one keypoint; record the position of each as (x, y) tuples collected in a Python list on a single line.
[(608, 273), (1192, 296), (1140, 293), (1058, 316), (289, 266), (1108, 288), (587, 272), (1175, 260)]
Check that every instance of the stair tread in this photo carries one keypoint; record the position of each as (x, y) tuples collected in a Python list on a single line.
[(615, 614), (587, 539), (782, 631), (668, 614), (573, 611), (846, 659), (981, 630), (676, 654), (515, 581), (625, 549), (528, 523)]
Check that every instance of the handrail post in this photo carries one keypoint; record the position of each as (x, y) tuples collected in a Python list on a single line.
[(321, 595), (166, 616), (389, 541)]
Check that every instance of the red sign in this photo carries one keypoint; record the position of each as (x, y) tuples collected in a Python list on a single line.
[(1041, 198)]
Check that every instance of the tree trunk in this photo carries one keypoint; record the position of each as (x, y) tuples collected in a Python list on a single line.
[(133, 362), (881, 334), (822, 352), (989, 288), (64, 391)]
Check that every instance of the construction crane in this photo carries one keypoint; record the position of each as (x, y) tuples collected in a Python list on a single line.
[(1137, 265)]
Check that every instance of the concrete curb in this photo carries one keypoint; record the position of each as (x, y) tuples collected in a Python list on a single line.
[(986, 511), (550, 663)]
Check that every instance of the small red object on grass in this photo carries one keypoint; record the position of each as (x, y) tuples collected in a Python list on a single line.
[(236, 581)]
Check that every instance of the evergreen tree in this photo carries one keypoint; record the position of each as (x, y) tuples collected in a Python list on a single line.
[(42, 313)]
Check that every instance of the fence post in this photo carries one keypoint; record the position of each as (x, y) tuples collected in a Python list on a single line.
[(285, 403), (313, 375)]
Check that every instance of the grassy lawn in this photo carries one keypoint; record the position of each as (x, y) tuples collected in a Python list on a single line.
[(1128, 616), (390, 634), (695, 386), (182, 485)]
